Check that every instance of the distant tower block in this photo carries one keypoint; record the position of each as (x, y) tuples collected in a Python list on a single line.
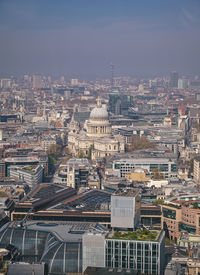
[(173, 81), (37, 81), (74, 81), (112, 75)]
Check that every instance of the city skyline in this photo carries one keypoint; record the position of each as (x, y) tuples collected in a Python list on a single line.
[(81, 38)]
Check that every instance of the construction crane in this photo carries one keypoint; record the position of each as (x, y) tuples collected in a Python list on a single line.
[(21, 224)]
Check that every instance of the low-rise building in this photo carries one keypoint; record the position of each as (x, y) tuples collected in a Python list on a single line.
[(47, 142), (77, 172), (171, 217), (177, 218), (31, 175), (123, 166)]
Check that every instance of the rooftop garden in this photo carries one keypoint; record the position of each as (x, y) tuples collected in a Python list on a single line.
[(30, 167), (143, 235), (196, 205)]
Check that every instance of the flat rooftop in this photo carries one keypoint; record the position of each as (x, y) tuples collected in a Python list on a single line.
[(138, 235), (92, 200), (140, 160), (126, 192), (22, 159)]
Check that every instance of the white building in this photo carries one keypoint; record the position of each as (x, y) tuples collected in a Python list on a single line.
[(196, 170), (125, 209), (96, 140), (168, 167), (74, 81), (47, 142), (32, 174), (37, 81)]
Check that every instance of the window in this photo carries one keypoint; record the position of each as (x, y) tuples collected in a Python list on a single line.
[(117, 166), (173, 167), (189, 228), (168, 213)]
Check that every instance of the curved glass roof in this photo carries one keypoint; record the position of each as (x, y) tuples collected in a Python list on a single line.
[(44, 246), (64, 257)]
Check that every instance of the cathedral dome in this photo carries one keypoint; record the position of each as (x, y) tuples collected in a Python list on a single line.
[(99, 113)]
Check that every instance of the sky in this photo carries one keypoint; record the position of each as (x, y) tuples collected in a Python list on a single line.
[(81, 38)]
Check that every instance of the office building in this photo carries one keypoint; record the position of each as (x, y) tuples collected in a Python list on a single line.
[(177, 218), (171, 217), (125, 209), (122, 251), (37, 81), (32, 175), (182, 84), (77, 172), (173, 82), (119, 103), (166, 166), (74, 81), (5, 83), (36, 159), (151, 215)]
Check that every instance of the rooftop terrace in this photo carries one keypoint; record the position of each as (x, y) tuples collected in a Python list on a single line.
[(139, 235)]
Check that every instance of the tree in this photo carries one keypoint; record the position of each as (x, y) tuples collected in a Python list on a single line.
[(90, 152), (191, 167), (159, 201), (54, 149), (81, 154), (196, 205), (138, 143), (53, 153), (157, 175)]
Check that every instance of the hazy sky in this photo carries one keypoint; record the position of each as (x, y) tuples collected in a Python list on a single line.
[(80, 38)]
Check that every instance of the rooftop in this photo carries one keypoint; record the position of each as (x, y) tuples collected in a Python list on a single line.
[(92, 200), (65, 231), (139, 235), (22, 159), (127, 192)]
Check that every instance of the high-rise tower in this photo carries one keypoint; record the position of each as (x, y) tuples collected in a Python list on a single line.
[(112, 75), (173, 82)]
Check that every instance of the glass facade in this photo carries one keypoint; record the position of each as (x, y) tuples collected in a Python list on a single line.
[(150, 212), (29, 242), (185, 227), (64, 257), (168, 213), (141, 256), (164, 166), (173, 168), (151, 221)]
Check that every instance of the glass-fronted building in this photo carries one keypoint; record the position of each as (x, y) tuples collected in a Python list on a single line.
[(124, 166), (142, 256)]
